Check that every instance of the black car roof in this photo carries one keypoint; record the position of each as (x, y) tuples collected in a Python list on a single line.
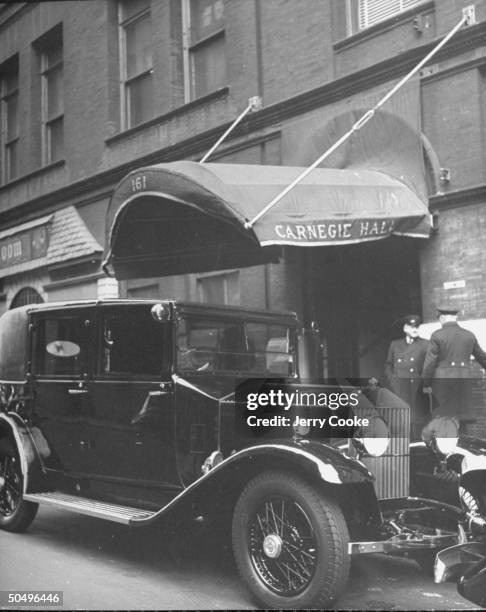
[(183, 307)]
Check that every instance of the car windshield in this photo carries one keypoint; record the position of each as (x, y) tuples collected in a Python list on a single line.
[(243, 347)]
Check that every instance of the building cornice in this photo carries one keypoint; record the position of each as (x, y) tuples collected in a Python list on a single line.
[(13, 11), (223, 92), (269, 117)]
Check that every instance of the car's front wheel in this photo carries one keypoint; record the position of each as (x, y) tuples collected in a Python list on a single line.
[(16, 514), (290, 543)]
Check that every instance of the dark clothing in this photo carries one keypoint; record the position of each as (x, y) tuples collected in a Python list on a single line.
[(448, 369), (403, 373)]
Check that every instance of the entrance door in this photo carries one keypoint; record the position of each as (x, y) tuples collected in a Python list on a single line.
[(63, 363), (358, 295)]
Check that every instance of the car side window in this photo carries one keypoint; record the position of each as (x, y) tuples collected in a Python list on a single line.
[(132, 344), (272, 347), (61, 345), (221, 345)]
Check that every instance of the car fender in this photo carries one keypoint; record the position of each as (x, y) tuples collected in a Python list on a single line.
[(30, 458), (472, 584), (472, 462), (468, 460), (315, 461)]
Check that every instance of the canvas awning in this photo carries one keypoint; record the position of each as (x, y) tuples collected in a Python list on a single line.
[(184, 217)]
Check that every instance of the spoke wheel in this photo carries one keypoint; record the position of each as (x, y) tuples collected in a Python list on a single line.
[(283, 546), (15, 513), (290, 543), (472, 502)]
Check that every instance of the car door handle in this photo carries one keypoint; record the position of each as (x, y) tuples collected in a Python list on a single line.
[(78, 391)]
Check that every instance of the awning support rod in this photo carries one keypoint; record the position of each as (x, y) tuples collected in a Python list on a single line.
[(254, 104), (361, 121)]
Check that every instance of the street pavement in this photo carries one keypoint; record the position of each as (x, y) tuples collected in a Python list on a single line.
[(105, 566)]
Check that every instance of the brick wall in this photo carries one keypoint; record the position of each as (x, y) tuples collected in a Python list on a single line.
[(85, 91), (85, 77), (241, 49), (296, 36), (297, 55), (451, 113), (456, 253)]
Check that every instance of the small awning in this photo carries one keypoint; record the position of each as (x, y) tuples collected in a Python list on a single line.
[(185, 217), (46, 241)]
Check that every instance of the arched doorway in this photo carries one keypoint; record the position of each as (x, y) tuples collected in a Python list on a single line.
[(27, 295)]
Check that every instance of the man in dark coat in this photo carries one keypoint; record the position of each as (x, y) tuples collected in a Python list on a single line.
[(403, 372), (448, 371)]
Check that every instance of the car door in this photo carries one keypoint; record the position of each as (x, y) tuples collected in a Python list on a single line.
[(62, 374), (133, 400)]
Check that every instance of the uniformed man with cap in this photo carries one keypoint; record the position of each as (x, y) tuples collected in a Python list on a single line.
[(448, 371), (403, 371)]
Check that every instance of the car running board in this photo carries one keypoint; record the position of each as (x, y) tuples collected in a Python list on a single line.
[(82, 505)]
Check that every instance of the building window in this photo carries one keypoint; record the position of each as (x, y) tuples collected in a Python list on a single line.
[(50, 48), (25, 296), (136, 62), (9, 100), (204, 47), (219, 288), (365, 13)]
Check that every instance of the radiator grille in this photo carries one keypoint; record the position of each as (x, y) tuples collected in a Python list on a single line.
[(392, 469)]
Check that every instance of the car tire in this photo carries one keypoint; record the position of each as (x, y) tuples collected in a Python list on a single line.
[(290, 543), (16, 514)]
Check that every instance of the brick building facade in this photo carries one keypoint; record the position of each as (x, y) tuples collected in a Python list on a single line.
[(90, 91)]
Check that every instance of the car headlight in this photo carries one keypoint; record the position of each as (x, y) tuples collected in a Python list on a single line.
[(446, 445), (160, 312), (373, 439), (442, 434)]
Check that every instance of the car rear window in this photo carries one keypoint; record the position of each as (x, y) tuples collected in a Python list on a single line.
[(61, 345)]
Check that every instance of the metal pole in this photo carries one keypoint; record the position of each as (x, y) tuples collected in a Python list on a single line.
[(359, 124), (254, 104)]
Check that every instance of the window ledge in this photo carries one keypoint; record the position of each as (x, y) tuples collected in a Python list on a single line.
[(38, 171), (207, 39), (383, 26), (76, 280), (215, 273), (214, 95)]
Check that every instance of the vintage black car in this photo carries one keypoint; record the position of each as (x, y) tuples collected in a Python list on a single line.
[(126, 410)]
